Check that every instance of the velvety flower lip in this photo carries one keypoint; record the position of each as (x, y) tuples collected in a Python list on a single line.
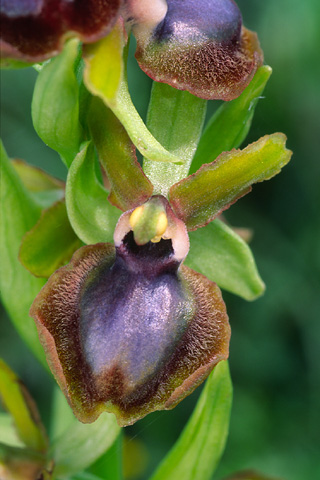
[(34, 30), (199, 46), (128, 329)]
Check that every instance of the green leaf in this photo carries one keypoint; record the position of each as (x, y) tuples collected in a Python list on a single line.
[(199, 198), (198, 450), (106, 79), (129, 185), (55, 104), (82, 444), (221, 255), (18, 402), (50, 243), (19, 213), (92, 217), (175, 118), (230, 124)]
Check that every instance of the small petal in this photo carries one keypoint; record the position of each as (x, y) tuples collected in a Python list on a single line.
[(199, 46), (126, 329), (34, 30)]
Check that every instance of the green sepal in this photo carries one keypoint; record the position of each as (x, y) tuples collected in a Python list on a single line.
[(230, 124), (92, 217), (50, 243), (202, 196), (198, 450), (107, 80), (19, 213), (129, 185), (175, 118), (23, 410), (82, 444), (221, 255), (55, 104)]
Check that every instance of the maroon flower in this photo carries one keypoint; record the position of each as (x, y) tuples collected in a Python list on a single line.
[(34, 30), (195, 45)]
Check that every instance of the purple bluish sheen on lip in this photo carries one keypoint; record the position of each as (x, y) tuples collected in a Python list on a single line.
[(21, 8), (128, 329), (148, 311), (187, 21)]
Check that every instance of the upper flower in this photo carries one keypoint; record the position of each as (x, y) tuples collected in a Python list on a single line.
[(199, 46)]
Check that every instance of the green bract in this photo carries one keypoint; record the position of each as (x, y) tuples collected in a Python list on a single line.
[(220, 254), (55, 105), (50, 243), (91, 216)]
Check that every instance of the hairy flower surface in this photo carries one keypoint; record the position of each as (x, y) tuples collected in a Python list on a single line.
[(198, 45), (127, 328)]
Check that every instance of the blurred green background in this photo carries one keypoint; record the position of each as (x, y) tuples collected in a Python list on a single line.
[(275, 424)]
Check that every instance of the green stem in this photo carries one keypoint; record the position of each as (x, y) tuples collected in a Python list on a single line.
[(176, 119)]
